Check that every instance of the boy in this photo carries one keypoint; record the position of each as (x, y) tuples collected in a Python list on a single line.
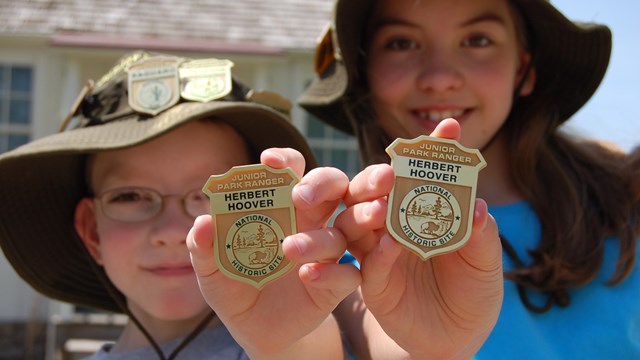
[(115, 197)]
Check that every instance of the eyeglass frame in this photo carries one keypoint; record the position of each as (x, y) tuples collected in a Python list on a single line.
[(159, 206)]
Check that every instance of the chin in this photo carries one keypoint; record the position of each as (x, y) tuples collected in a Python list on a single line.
[(181, 314)]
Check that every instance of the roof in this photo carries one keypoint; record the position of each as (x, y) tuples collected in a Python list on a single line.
[(283, 24)]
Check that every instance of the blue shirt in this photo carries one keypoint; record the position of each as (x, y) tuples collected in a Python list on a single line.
[(601, 322)]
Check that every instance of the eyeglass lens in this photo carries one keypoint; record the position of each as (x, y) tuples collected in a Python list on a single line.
[(134, 204)]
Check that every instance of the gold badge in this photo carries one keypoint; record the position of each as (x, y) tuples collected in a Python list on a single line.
[(431, 203), (252, 213), (205, 79), (153, 84)]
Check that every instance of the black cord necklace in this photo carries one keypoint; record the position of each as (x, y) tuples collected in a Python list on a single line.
[(113, 293)]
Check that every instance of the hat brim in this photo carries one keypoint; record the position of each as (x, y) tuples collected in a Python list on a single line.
[(570, 58), (322, 98), (43, 181)]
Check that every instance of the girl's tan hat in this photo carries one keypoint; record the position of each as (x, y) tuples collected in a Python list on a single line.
[(42, 181), (570, 60)]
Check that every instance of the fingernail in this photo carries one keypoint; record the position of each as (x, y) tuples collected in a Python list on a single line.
[(373, 178), (300, 244), (306, 193), (312, 273), (480, 208), (275, 154)]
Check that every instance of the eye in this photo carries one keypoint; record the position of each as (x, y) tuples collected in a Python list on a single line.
[(197, 196), (477, 41), (401, 43), (128, 196)]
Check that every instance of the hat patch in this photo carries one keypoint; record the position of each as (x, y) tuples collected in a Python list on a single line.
[(153, 84), (205, 79)]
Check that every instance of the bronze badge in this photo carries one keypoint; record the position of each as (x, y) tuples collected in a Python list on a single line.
[(431, 203), (205, 79), (252, 213), (153, 84)]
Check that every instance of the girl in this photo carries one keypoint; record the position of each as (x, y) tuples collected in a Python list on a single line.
[(510, 72)]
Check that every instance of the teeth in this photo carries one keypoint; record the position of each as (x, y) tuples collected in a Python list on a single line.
[(434, 115)]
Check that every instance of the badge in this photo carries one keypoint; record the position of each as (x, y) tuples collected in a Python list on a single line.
[(205, 79), (153, 84), (431, 204), (252, 213)]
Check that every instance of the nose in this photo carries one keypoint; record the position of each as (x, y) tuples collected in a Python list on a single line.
[(438, 72), (171, 226)]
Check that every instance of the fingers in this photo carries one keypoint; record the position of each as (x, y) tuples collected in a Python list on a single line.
[(361, 225), (319, 251), (318, 246), (340, 279), (280, 158), (373, 182), (200, 245), (320, 185), (483, 251), (377, 266), (317, 195), (447, 129)]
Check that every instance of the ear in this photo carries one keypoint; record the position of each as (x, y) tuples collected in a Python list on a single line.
[(87, 228), (526, 75)]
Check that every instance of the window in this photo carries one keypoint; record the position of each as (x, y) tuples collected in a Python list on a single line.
[(333, 147), (16, 92)]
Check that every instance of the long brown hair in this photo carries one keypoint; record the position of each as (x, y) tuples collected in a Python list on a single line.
[(582, 193)]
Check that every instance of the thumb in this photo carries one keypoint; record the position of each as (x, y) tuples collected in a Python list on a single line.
[(200, 245), (483, 251)]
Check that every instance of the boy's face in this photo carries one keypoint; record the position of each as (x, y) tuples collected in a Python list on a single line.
[(148, 260), (433, 59)]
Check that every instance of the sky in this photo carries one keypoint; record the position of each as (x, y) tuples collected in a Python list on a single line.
[(612, 113)]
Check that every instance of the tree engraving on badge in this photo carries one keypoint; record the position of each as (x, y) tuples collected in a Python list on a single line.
[(154, 94), (252, 212), (254, 244), (431, 204)]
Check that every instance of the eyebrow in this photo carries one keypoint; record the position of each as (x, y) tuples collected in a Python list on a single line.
[(391, 22), (486, 17)]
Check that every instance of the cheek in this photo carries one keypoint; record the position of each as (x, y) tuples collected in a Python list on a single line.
[(389, 81), (119, 254), (117, 243), (498, 74)]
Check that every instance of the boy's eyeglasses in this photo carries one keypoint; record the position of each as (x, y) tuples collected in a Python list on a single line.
[(135, 204)]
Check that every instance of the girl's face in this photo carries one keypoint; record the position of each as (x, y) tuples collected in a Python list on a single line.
[(148, 261), (433, 59)]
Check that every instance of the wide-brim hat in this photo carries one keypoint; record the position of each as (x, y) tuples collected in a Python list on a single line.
[(570, 60), (42, 181)]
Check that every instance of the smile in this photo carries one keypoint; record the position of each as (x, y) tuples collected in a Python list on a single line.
[(436, 115), (172, 271)]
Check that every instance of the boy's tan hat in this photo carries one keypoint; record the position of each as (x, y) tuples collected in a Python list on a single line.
[(42, 181), (570, 60)]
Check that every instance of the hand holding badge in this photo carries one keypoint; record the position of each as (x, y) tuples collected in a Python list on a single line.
[(252, 212), (431, 204)]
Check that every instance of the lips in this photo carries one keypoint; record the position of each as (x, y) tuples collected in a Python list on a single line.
[(171, 270)]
